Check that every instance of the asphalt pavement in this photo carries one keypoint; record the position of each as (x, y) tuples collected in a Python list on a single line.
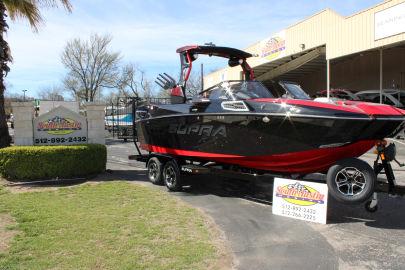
[(352, 239)]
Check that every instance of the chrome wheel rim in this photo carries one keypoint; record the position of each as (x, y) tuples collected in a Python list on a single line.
[(170, 176), (153, 171), (350, 181)]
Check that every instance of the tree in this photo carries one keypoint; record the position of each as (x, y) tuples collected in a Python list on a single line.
[(91, 66), (193, 84), (133, 82), (17, 9), (53, 93)]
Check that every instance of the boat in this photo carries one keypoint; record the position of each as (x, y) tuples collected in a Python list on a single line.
[(281, 130)]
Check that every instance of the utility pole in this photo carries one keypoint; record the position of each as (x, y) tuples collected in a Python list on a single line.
[(24, 94)]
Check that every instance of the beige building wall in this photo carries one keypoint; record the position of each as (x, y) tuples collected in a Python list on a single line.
[(356, 33), (342, 36)]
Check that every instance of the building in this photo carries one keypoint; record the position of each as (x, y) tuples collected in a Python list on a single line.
[(364, 51)]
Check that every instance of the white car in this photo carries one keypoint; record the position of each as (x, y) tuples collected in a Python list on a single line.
[(394, 97)]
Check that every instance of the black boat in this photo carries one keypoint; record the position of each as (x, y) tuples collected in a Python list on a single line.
[(278, 130)]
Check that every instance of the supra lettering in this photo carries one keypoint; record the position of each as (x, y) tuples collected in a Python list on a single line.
[(200, 130)]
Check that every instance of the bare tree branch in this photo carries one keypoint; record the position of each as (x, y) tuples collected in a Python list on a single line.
[(133, 82), (53, 93), (91, 66)]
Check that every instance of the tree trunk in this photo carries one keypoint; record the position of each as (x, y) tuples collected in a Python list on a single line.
[(5, 57)]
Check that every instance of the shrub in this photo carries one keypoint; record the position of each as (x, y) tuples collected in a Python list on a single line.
[(47, 162)]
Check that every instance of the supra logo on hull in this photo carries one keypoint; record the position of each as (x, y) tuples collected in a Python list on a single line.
[(201, 130)]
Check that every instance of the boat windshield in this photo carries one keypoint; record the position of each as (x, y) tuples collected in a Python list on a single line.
[(294, 90), (237, 90)]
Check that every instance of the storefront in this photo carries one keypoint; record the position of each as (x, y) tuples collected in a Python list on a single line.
[(364, 51)]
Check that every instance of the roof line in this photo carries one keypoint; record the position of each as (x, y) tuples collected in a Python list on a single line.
[(367, 9), (313, 15), (294, 24)]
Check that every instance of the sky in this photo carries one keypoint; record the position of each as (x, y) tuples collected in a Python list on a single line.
[(148, 32)]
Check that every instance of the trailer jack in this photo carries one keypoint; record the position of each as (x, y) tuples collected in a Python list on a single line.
[(382, 164)]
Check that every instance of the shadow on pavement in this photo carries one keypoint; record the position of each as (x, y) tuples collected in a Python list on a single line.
[(111, 141), (390, 214), (128, 175)]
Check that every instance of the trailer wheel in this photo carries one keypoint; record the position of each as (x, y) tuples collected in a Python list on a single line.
[(155, 171), (171, 176), (351, 181)]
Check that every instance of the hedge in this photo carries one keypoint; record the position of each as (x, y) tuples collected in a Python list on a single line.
[(48, 162)]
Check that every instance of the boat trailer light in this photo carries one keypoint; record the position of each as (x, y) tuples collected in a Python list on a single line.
[(381, 143), (385, 152)]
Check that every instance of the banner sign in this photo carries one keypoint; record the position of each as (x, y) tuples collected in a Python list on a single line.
[(273, 47), (300, 200), (60, 126), (389, 22)]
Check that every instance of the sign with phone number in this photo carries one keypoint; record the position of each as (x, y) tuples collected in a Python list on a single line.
[(60, 126), (62, 140), (300, 200)]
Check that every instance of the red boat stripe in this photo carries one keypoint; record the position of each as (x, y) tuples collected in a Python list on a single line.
[(360, 107), (311, 103), (309, 161), (173, 151)]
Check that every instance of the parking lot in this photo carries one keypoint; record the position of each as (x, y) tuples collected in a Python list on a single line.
[(353, 239)]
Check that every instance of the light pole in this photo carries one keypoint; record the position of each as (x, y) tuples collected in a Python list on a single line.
[(24, 94)]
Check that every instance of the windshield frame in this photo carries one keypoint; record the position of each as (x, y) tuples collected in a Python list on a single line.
[(299, 94), (230, 92)]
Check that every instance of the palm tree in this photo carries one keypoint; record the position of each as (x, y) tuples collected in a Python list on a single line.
[(18, 9)]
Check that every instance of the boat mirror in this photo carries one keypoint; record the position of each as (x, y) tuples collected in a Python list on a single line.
[(233, 62)]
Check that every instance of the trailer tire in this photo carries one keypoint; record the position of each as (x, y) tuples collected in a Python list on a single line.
[(155, 168), (351, 181), (171, 176)]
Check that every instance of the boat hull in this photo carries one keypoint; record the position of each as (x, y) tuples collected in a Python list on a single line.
[(276, 143)]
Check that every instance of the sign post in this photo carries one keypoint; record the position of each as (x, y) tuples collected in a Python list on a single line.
[(300, 200)]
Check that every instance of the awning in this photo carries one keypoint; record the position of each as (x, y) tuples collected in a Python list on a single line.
[(292, 67)]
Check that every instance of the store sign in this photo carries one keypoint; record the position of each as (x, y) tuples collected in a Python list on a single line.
[(389, 22), (300, 200), (273, 47), (60, 126)]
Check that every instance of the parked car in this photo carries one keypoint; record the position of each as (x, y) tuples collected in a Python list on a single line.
[(339, 94), (393, 97)]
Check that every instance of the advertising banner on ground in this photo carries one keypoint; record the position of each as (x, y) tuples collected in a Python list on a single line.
[(273, 47), (389, 22), (300, 200), (60, 126)]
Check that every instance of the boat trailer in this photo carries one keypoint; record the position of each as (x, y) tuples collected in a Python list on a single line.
[(176, 169)]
